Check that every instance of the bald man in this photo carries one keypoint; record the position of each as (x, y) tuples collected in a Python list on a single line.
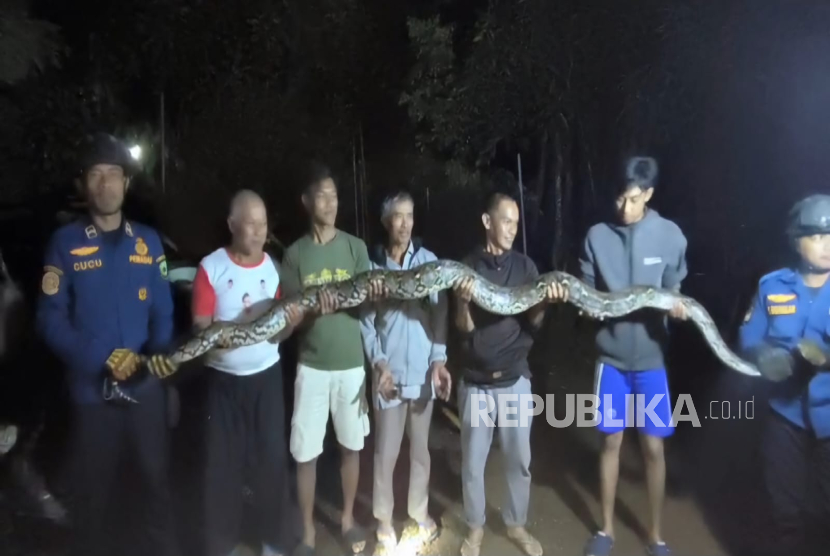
[(245, 421)]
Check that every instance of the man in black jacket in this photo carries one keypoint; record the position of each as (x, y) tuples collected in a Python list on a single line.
[(494, 365)]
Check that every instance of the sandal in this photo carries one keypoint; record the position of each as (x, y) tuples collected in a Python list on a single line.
[(472, 543), (356, 539), (416, 536), (658, 549), (599, 545), (387, 544), (526, 541)]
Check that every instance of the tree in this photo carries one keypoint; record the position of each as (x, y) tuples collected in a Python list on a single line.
[(26, 43), (531, 78)]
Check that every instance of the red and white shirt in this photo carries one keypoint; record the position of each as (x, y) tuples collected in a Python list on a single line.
[(231, 292)]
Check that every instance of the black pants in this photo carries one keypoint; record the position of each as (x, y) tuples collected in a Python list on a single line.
[(797, 476), (104, 436), (246, 448)]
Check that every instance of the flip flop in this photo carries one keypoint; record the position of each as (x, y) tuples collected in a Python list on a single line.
[(386, 544), (356, 539), (527, 542), (416, 535), (471, 547)]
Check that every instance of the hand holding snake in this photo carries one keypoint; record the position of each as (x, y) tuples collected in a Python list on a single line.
[(440, 275)]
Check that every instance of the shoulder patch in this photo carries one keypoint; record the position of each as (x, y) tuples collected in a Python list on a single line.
[(50, 284)]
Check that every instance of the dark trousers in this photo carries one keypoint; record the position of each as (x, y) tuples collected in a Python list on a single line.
[(797, 477), (246, 448), (104, 436)]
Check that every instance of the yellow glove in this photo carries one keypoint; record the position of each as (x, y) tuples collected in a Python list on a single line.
[(123, 363), (160, 366)]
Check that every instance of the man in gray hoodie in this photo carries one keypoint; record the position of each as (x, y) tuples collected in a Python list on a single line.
[(640, 249)]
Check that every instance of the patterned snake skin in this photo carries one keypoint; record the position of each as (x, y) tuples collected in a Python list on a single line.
[(440, 275)]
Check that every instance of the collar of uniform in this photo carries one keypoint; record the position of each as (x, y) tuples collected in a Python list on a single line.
[(380, 256), (790, 277), (493, 261), (92, 231)]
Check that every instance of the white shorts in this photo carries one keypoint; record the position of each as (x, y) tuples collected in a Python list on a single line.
[(316, 393)]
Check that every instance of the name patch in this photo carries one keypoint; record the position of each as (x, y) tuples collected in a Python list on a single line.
[(781, 310), (141, 259), (88, 265), (648, 261)]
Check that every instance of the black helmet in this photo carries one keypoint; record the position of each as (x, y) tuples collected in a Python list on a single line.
[(640, 171), (103, 148), (810, 216)]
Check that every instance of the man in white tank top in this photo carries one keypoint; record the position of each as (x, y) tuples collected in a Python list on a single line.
[(245, 426)]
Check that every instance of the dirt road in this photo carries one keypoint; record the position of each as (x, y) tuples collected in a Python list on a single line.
[(714, 507)]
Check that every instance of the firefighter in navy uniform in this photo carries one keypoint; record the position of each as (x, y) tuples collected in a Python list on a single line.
[(793, 305), (105, 299)]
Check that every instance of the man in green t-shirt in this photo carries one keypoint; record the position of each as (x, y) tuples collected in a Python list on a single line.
[(330, 375)]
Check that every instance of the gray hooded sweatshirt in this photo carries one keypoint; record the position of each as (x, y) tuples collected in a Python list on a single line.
[(651, 252)]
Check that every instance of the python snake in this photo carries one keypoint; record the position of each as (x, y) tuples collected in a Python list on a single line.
[(439, 275)]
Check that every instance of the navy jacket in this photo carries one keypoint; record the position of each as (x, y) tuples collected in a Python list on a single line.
[(102, 291), (651, 252), (783, 312)]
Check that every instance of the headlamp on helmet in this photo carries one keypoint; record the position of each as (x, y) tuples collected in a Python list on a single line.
[(102, 148), (810, 216)]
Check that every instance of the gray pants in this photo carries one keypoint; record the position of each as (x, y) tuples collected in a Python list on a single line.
[(389, 428), (475, 447)]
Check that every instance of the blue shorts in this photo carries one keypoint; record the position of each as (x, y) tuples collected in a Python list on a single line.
[(637, 399)]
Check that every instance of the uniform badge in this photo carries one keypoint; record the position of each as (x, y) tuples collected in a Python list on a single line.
[(142, 294), (781, 297), (51, 280), (141, 247), (84, 251)]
